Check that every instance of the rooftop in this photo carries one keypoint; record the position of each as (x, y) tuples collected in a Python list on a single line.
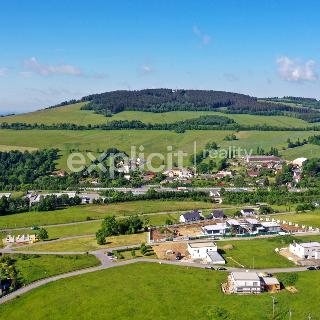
[(270, 281), (241, 275), (270, 224), (202, 244), (218, 226), (233, 222), (252, 221), (309, 244)]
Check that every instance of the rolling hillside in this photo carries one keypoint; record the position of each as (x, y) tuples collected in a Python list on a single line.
[(73, 114)]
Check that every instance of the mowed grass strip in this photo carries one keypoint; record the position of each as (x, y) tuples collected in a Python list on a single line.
[(35, 267), (85, 244), (152, 291), (82, 213)]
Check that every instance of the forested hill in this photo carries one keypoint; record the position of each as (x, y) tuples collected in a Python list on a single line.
[(165, 100)]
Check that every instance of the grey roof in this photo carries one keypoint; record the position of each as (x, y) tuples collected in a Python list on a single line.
[(241, 275), (206, 244), (309, 244), (192, 215), (217, 214), (215, 256), (269, 281)]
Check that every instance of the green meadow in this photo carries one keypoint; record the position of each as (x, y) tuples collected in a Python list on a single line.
[(154, 141), (311, 218), (33, 267), (85, 212), (85, 244), (152, 291), (73, 114)]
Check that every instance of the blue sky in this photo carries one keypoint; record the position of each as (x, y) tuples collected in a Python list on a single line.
[(57, 50)]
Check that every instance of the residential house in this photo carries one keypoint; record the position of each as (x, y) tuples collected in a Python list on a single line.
[(299, 162), (245, 283), (254, 225), (306, 250), (190, 216), (271, 284), (5, 194), (217, 215), (88, 198), (218, 229), (234, 226), (206, 251), (262, 159), (216, 196), (271, 226), (246, 212)]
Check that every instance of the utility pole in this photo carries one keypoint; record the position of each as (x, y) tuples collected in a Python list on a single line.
[(273, 306)]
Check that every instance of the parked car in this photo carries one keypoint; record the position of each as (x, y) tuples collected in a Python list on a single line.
[(318, 267), (311, 268), (210, 268), (178, 256), (221, 269), (34, 228)]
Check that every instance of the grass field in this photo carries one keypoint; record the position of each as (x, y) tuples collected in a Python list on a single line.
[(308, 218), (257, 253), (73, 114), (152, 141), (35, 267), (308, 151), (86, 244), (81, 213), (151, 291)]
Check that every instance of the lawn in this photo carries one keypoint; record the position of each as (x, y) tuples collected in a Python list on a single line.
[(35, 267), (308, 218), (152, 291), (82, 213), (153, 141), (254, 253), (85, 244)]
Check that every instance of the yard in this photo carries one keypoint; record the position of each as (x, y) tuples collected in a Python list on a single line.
[(154, 291), (85, 244)]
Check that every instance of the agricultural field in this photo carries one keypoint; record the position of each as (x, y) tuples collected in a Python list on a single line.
[(85, 244), (73, 114), (97, 141), (195, 293), (35, 267), (83, 213)]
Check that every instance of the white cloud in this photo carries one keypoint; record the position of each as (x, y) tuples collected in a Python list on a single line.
[(296, 70), (46, 69), (205, 39), (146, 69), (3, 72)]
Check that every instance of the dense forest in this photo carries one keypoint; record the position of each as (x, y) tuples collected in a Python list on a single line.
[(166, 100)]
